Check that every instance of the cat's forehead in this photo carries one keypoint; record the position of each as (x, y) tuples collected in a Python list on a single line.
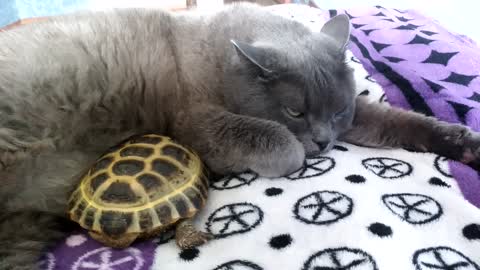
[(320, 80), (327, 55), (319, 70), (314, 53), (314, 85)]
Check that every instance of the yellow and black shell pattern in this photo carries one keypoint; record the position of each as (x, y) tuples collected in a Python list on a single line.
[(141, 186)]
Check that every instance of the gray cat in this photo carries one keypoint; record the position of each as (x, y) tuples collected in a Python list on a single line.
[(246, 89)]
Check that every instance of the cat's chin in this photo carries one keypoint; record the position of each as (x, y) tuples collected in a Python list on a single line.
[(312, 152)]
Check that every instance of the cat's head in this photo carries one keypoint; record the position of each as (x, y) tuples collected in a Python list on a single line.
[(305, 85)]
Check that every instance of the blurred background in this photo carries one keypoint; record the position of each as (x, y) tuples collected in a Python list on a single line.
[(458, 16)]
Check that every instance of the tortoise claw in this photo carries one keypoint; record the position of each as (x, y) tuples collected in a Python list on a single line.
[(186, 236)]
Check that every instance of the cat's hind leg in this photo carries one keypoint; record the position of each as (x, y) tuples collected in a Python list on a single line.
[(33, 204), (26, 235)]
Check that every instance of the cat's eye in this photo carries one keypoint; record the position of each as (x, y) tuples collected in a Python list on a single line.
[(293, 113), (341, 113)]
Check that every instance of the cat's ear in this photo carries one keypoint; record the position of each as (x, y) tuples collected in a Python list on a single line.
[(338, 28), (256, 56)]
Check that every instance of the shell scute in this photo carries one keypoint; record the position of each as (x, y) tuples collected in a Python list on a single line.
[(142, 185)]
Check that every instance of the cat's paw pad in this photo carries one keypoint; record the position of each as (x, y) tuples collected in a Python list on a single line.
[(457, 142), (471, 150), (454, 134), (463, 144)]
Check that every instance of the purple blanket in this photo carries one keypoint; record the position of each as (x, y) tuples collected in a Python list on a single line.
[(421, 67)]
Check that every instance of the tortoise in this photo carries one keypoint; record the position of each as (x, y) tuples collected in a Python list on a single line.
[(140, 188)]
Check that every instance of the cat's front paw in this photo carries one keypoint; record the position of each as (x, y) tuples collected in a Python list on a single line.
[(461, 144), (471, 150), (286, 157)]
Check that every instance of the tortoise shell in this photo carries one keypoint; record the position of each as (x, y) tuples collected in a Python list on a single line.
[(140, 186)]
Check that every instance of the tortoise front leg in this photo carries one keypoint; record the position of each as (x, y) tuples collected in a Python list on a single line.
[(187, 236)]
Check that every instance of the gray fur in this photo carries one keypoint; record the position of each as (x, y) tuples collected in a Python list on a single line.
[(225, 84)]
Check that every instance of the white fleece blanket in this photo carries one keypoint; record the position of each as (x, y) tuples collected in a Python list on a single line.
[(354, 208)]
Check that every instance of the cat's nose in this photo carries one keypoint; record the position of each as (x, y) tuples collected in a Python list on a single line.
[(322, 145)]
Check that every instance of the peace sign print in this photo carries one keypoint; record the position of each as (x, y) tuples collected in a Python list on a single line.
[(106, 259), (313, 167), (413, 208), (323, 207), (238, 265), (442, 258), (234, 219), (389, 168), (354, 59), (47, 262), (369, 78), (340, 259), (441, 164), (235, 181), (383, 99)]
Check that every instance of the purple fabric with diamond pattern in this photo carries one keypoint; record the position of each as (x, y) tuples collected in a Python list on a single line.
[(422, 67)]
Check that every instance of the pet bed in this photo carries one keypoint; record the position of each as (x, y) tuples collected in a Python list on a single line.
[(354, 208)]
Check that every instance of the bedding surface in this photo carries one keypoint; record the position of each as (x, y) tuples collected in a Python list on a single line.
[(353, 208)]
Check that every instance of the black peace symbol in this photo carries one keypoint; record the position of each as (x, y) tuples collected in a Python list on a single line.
[(441, 164), (413, 208), (323, 207), (383, 99), (340, 259), (313, 167), (443, 258), (235, 181), (369, 78), (354, 59), (389, 168), (234, 219), (238, 265)]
